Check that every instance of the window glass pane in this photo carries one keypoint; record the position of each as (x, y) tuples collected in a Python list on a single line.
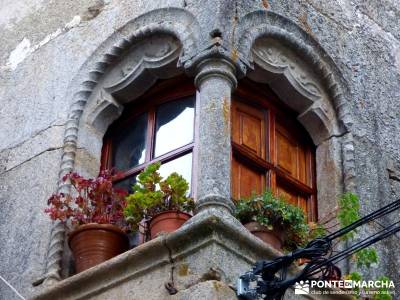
[(127, 183), (181, 165), (174, 125), (130, 145)]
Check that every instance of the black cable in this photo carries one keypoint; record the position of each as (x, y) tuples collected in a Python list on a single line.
[(372, 216), (388, 231), (321, 254), (369, 241)]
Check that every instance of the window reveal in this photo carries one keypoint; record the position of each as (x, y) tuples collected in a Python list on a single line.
[(162, 131)]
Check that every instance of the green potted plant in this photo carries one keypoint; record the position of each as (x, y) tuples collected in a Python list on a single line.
[(94, 213), (273, 220), (161, 204)]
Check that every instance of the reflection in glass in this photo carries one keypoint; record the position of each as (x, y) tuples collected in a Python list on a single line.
[(126, 184), (181, 165), (174, 125), (130, 145)]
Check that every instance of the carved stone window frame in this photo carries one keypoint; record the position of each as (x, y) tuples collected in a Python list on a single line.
[(266, 47)]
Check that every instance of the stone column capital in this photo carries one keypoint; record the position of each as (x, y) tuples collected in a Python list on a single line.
[(215, 67)]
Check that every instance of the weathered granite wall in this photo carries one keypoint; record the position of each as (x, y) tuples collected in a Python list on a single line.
[(44, 44)]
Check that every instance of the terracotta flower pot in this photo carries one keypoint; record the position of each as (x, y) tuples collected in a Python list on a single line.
[(274, 237), (167, 221), (92, 244)]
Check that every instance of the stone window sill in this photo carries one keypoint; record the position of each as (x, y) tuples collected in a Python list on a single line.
[(212, 246)]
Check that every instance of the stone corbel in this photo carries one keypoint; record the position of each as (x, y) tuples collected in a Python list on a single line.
[(317, 123), (217, 52), (104, 112)]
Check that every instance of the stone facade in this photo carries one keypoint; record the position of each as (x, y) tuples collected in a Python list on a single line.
[(67, 69)]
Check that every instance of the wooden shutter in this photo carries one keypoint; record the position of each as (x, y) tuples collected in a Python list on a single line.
[(271, 150), (248, 132)]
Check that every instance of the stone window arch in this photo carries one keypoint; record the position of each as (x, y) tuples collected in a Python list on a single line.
[(297, 85), (129, 68), (295, 66), (124, 84)]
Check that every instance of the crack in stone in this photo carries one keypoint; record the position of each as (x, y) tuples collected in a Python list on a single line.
[(170, 285), (31, 137), (335, 136), (29, 159), (393, 175), (377, 24), (327, 16), (24, 49)]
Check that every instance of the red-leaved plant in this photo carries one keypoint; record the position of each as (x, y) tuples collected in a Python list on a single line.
[(94, 201)]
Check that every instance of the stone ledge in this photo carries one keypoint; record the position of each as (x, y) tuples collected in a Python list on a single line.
[(211, 246), (210, 289)]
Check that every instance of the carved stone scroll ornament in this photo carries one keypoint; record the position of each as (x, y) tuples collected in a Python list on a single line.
[(154, 58), (275, 59), (146, 62), (296, 85), (105, 110)]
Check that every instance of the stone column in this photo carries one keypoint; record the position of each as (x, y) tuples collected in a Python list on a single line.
[(215, 81)]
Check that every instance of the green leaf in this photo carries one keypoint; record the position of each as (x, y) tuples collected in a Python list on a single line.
[(349, 206), (151, 195), (270, 211), (366, 257)]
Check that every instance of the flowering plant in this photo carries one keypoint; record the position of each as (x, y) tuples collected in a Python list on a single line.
[(94, 201)]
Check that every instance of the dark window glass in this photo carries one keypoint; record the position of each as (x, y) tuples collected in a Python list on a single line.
[(130, 144), (174, 125), (127, 183)]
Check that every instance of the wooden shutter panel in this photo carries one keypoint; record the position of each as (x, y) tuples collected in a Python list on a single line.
[(271, 150), (291, 154), (248, 131), (248, 128), (246, 180)]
